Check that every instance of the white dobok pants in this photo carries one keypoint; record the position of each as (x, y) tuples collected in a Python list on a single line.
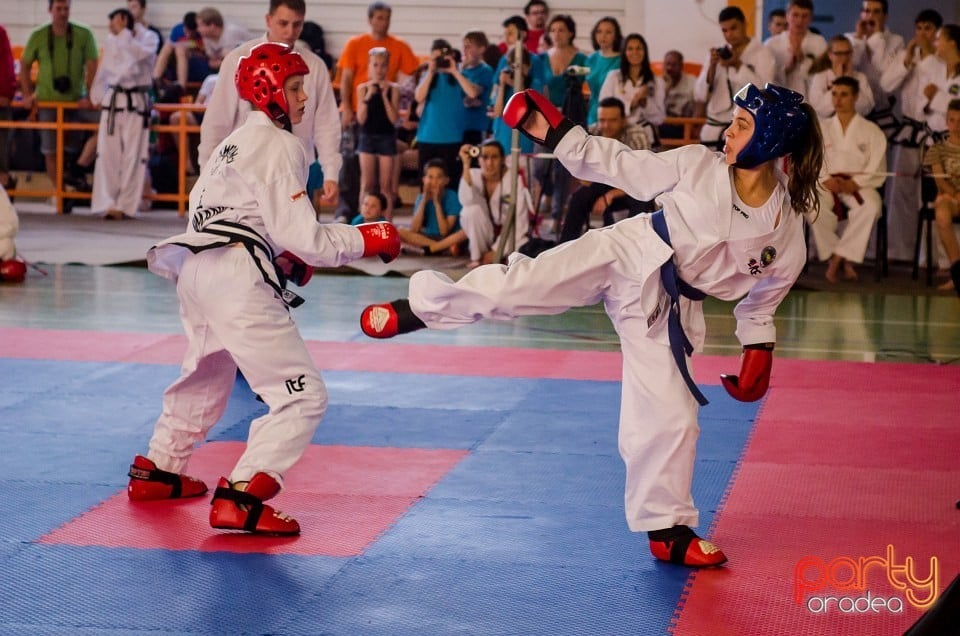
[(120, 170), (851, 242)]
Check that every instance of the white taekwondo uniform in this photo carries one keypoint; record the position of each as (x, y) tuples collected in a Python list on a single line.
[(902, 193), (820, 93), (9, 224), (813, 46), (319, 131), (860, 151), (121, 88), (756, 67), (873, 55), (620, 266), (479, 215), (249, 204)]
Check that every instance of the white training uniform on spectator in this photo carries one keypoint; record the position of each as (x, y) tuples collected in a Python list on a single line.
[(620, 266), (873, 56), (820, 93), (757, 67), (479, 214), (121, 88), (319, 131), (232, 313), (861, 149), (813, 46), (9, 224)]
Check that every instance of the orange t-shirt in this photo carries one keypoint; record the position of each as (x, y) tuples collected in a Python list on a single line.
[(356, 56)]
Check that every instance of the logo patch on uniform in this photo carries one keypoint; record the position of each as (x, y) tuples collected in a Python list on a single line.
[(298, 195), (228, 153), (767, 256)]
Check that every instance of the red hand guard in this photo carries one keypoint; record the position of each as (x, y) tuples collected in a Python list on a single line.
[(754, 378), (522, 105), (294, 269), (380, 239)]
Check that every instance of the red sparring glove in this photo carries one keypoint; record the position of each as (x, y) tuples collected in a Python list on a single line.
[(12, 271), (754, 378), (380, 239), (522, 105), (293, 268)]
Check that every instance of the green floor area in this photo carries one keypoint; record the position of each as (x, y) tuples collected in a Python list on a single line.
[(811, 323)]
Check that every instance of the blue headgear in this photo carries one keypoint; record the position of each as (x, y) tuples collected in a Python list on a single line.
[(778, 121)]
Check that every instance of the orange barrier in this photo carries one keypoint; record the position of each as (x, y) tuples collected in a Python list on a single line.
[(181, 129)]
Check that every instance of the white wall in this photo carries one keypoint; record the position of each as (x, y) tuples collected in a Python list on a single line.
[(687, 25)]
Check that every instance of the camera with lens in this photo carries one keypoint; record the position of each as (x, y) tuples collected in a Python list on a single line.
[(723, 52), (576, 71), (474, 151), (62, 83), (443, 61)]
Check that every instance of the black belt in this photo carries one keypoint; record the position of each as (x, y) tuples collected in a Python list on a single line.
[(250, 239), (675, 287), (111, 108)]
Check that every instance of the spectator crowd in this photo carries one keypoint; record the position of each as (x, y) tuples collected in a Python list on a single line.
[(381, 111)]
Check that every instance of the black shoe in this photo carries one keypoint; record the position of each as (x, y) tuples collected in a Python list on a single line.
[(955, 276)]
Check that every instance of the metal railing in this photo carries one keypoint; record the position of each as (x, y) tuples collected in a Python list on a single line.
[(181, 129)]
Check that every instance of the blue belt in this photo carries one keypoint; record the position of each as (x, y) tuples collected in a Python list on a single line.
[(675, 287)]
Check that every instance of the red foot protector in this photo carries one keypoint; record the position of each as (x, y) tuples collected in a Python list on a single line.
[(235, 509), (149, 483), (686, 548), (344, 497)]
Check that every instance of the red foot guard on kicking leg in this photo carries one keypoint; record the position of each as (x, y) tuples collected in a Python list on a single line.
[(149, 483), (681, 545), (233, 509), (389, 319)]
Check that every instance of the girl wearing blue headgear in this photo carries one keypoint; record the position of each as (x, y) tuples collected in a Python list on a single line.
[(730, 226)]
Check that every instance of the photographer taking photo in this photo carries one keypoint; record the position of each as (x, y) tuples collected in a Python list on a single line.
[(442, 91)]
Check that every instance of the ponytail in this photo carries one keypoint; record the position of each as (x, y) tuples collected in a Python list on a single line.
[(804, 169)]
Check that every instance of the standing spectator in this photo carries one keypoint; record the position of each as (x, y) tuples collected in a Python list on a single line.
[(874, 48), (189, 64), (942, 87), (607, 40), (836, 63), (943, 160), (377, 113), (442, 91), (476, 124), (485, 196), (795, 49), (138, 8), (600, 199), (637, 87), (506, 81), (66, 56), (776, 22), (8, 88), (122, 89), (318, 131), (353, 67), (905, 78), (536, 12), (563, 83), (854, 157), (742, 60)]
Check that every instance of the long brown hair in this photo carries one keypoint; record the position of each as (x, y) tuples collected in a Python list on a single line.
[(803, 171)]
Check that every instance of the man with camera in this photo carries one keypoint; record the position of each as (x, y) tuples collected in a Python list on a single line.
[(741, 60), (66, 55)]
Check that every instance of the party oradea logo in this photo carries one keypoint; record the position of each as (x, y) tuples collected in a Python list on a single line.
[(866, 584)]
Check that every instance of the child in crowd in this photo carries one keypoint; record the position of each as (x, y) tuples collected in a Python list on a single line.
[(943, 160), (436, 214), (371, 209), (377, 113)]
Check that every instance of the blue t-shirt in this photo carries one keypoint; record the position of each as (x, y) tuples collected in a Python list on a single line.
[(502, 132), (476, 116), (357, 220), (599, 67), (443, 112), (556, 85), (451, 207)]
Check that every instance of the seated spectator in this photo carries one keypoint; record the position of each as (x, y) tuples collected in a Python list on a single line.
[(943, 160), (776, 22), (678, 98), (194, 118), (854, 158), (372, 209), (219, 37), (598, 198), (836, 62), (188, 65), (635, 85), (485, 196), (435, 226)]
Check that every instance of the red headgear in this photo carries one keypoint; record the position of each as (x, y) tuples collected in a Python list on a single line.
[(261, 74)]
